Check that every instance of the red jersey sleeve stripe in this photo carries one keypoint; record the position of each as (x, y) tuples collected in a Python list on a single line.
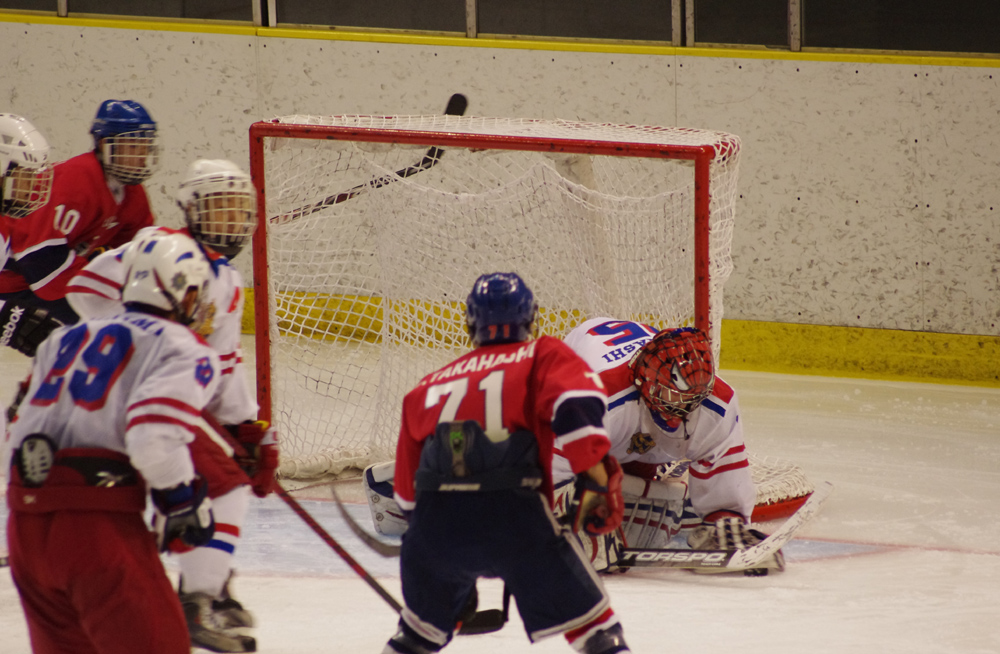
[(166, 401), (697, 474), (153, 418), (100, 279), (86, 290), (722, 390)]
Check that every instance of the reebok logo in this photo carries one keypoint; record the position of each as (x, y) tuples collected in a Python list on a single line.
[(11, 326)]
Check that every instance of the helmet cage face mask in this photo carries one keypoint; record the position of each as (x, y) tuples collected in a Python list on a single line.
[(131, 157), (25, 175), (25, 190), (674, 372), (500, 309), (220, 205), (224, 221)]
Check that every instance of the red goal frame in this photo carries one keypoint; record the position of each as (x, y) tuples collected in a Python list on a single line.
[(701, 155)]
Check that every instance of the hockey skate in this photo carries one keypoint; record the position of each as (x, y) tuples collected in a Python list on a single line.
[(206, 628), (230, 613)]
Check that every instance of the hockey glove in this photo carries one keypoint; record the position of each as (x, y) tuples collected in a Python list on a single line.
[(182, 516), (260, 441), (726, 530), (599, 509), (24, 327)]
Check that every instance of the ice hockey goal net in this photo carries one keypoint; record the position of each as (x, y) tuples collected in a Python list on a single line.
[(373, 229)]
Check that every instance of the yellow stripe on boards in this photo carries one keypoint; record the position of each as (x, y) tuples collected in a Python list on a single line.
[(889, 354), (334, 33), (824, 350)]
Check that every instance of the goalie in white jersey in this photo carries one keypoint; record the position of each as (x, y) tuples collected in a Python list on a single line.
[(219, 202), (108, 412), (667, 406)]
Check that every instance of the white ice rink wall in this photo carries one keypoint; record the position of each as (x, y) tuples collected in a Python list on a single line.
[(870, 185)]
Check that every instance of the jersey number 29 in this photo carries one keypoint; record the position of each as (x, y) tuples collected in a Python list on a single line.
[(105, 356)]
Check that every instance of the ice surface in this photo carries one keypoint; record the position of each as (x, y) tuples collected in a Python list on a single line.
[(904, 557)]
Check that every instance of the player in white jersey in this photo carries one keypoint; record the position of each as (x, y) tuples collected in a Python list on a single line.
[(219, 203), (109, 410), (25, 186), (666, 405)]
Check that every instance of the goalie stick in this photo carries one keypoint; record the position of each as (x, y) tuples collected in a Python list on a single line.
[(483, 622), (383, 549), (736, 560), (457, 105)]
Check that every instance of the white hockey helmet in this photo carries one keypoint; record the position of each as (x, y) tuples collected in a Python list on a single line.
[(220, 205), (25, 173), (170, 273)]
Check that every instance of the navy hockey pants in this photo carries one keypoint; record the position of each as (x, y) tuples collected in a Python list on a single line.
[(456, 537)]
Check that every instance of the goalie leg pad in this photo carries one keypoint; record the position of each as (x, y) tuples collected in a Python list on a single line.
[(653, 510), (386, 514)]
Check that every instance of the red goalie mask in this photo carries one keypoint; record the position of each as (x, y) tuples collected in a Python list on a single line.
[(674, 371)]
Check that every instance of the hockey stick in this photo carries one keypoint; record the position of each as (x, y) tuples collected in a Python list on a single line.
[(457, 105), (336, 547), (483, 622), (735, 560), (386, 550), (222, 432)]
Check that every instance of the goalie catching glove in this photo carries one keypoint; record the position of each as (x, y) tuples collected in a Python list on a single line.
[(260, 456), (24, 327), (182, 516), (599, 507), (724, 530)]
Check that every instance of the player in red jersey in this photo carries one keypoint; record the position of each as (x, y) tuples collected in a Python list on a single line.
[(25, 186), (666, 405), (111, 406), (97, 202), (473, 472)]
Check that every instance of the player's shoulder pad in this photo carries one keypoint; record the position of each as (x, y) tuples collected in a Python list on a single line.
[(723, 391), (618, 380)]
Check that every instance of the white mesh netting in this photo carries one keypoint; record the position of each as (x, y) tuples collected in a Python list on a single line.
[(368, 270)]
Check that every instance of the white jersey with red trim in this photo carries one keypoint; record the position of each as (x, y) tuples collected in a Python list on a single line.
[(711, 436), (134, 383), (96, 292)]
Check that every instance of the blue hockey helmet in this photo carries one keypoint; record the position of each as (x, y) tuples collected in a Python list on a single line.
[(125, 139), (121, 116), (500, 309)]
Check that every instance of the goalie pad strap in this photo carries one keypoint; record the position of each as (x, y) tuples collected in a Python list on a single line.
[(669, 490)]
